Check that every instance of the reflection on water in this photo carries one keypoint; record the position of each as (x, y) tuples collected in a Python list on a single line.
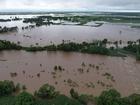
[(27, 65)]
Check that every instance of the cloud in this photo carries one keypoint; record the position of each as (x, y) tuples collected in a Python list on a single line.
[(71, 4)]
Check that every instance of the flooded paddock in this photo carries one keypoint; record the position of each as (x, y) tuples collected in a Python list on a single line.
[(45, 35), (88, 74)]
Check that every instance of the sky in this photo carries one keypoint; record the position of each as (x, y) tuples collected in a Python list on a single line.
[(69, 5)]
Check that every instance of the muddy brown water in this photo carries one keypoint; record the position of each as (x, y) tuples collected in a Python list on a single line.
[(27, 65), (44, 35), (126, 71)]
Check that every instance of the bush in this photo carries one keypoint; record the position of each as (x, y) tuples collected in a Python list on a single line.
[(74, 94), (46, 91), (25, 98), (6, 87), (7, 45), (138, 57), (111, 97), (7, 100), (134, 99)]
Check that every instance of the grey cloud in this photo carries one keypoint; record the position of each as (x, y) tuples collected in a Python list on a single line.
[(73, 4)]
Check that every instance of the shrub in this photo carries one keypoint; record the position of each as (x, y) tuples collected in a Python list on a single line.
[(134, 99), (6, 87), (111, 97), (138, 57), (46, 91), (74, 94), (25, 98)]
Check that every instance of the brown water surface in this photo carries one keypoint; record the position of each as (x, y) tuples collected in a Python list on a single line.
[(125, 71)]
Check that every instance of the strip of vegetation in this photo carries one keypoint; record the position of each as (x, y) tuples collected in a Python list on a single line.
[(7, 45), (81, 20), (8, 29), (5, 20), (47, 95), (9, 20), (96, 47), (135, 26)]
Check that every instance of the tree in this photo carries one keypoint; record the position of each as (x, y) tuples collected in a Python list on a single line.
[(6, 87), (134, 99), (25, 98), (74, 94), (111, 97), (104, 42), (46, 91)]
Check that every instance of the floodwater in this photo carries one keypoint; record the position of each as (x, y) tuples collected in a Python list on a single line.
[(125, 71), (36, 69), (45, 35)]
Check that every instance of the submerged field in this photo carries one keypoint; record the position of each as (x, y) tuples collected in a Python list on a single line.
[(86, 73)]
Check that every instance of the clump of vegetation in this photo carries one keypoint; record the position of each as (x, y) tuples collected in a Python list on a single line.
[(83, 99), (8, 29), (24, 87), (38, 75), (74, 94), (80, 70), (6, 87), (25, 98), (97, 67), (60, 68), (13, 74), (55, 68), (133, 49), (72, 83), (101, 83), (34, 49), (92, 65), (7, 45), (109, 76), (90, 85), (47, 91), (138, 57), (111, 97), (17, 87), (133, 99), (83, 64)]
